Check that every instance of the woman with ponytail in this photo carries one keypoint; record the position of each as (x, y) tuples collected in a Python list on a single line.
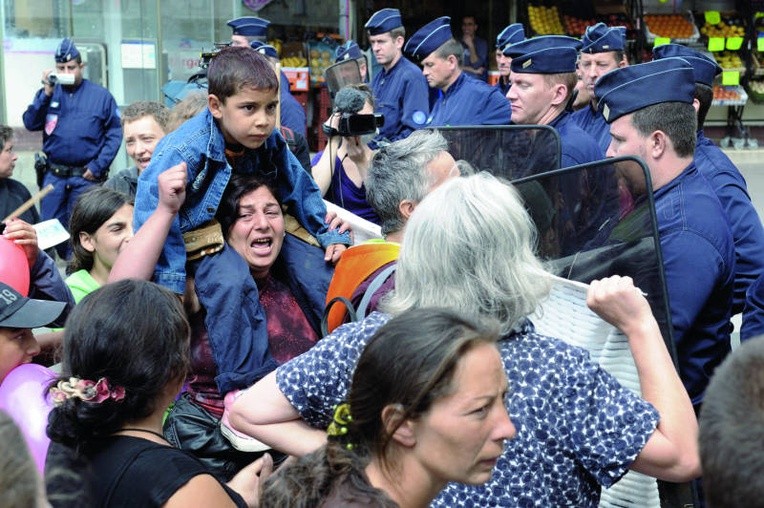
[(426, 407), (126, 354)]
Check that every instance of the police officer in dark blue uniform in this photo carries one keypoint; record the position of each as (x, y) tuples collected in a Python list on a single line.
[(728, 184), (536, 64), (292, 113), (248, 29), (463, 99), (511, 34), (399, 88), (81, 133), (351, 51), (543, 79), (649, 109), (602, 51)]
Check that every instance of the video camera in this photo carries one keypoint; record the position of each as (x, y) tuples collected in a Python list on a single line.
[(354, 124), (206, 56), (62, 79)]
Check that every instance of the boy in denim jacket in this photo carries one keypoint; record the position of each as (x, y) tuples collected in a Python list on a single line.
[(235, 134)]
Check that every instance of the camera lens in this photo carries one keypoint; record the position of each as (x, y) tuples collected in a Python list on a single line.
[(52, 79)]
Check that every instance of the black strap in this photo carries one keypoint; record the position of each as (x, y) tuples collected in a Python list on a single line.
[(325, 318)]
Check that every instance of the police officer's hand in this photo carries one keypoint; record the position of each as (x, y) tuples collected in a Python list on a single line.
[(46, 84), (25, 236), (89, 176)]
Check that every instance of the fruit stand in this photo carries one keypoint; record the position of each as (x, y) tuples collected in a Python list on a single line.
[(732, 31)]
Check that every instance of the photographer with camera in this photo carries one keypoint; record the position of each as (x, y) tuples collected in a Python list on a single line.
[(81, 133), (341, 168)]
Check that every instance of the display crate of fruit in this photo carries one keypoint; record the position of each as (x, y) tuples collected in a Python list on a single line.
[(729, 25), (576, 27), (679, 28), (730, 61), (545, 20), (755, 91), (729, 96), (321, 56), (757, 62)]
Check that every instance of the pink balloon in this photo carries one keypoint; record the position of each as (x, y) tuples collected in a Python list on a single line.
[(14, 267), (23, 395)]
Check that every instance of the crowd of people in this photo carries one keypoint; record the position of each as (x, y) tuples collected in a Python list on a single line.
[(195, 348)]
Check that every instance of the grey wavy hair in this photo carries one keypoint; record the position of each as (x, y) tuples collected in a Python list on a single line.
[(398, 172), (469, 246)]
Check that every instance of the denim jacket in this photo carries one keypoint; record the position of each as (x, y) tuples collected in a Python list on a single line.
[(199, 142)]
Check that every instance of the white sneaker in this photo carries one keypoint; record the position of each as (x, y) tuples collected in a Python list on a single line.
[(241, 442)]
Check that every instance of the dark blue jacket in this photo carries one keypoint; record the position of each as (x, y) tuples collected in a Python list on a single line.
[(753, 326), (292, 112), (592, 122), (745, 224), (699, 264), (469, 101), (401, 95), (80, 125), (578, 147)]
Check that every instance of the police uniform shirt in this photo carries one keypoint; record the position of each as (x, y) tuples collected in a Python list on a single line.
[(503, 86), (401, 95), (578, 146), (469, 101), (699, 265), (292, 112), (591, 121), (745, 224), (81, 125)]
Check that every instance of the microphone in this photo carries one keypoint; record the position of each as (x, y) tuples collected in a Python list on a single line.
[(349, 100)]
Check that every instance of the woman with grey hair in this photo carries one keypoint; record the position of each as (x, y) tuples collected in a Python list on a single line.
[(469, 247)]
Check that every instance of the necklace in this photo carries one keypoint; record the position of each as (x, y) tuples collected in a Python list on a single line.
[(147, 431)]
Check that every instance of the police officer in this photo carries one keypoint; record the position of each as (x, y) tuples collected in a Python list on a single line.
[(511, 34), (81, 133), (463, 99), (399, 87), (649, 108), (543, 78), (350, 51), (291, 110), (728, 184), (602, 51), (247, 29)]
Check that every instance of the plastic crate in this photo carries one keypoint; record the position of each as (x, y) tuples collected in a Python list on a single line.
[(656, 19), (736, 96)]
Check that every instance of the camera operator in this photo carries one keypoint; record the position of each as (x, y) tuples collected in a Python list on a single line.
[(341, 168), (81, 133)]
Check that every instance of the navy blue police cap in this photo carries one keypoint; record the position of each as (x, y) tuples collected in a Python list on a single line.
[(541, 42), (704, 67), (249, 26), (66, 51), (347, 51), (383, 21), (628, 89), (512, 34), (549, 54), (429, 38), (601, 38), (265, 49)]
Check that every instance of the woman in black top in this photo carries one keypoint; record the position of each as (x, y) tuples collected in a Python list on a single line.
[(125, 359)]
